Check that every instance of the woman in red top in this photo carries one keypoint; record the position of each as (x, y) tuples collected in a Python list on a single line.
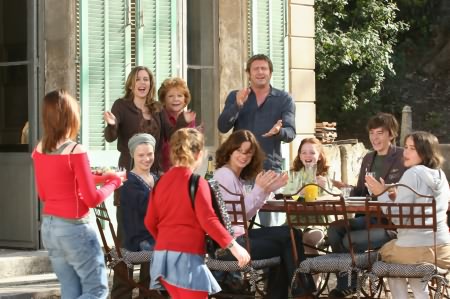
[(65, 186), (179, 230)]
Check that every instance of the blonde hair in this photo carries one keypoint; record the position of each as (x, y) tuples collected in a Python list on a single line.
[(185, 145)]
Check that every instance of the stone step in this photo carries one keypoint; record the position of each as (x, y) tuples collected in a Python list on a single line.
[(37, 286), (21, 262)]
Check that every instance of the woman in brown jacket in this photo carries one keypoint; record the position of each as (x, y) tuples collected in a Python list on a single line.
[(138, 112)]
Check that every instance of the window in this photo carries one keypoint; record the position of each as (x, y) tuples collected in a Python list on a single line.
[(202, 41), (267, 20), (115, 36), (14, 79)]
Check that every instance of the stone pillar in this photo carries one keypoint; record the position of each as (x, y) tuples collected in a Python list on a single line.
[(232, 47), (406, 126), (301, 31), (60, 45)]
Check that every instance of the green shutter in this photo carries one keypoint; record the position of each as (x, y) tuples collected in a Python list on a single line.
[(105, 62), (156, 38), (267, 20)]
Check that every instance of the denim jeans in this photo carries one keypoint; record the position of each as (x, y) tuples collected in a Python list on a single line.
[(76, 258), (338, 239)]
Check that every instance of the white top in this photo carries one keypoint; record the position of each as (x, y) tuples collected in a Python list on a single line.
[(425, 181)]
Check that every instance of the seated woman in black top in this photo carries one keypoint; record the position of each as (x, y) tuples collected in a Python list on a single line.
[(134, 197)]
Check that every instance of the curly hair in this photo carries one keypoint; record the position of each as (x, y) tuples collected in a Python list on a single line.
[(427, 147), (185, 145), (60, 117), (322, 167), (174, 82), (150, 101), (234, 142)]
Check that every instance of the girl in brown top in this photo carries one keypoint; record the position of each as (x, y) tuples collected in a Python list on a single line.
[(139, 112)]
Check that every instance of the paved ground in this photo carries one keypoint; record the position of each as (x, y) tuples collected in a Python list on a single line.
[(19, 281)]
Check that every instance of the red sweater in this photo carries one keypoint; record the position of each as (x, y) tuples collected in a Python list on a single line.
[(66, 186), (172, 221)]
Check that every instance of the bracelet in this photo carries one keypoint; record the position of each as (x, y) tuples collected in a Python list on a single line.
[(230, 245)]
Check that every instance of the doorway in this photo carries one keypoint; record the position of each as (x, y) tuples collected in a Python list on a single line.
[(18, 123)]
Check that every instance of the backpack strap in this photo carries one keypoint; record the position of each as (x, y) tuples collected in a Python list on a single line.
[(193, 186)]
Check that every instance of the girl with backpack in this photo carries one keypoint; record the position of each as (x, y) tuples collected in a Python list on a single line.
[(179, 230)]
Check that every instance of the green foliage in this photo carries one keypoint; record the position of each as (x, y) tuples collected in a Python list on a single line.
[(354, 48)]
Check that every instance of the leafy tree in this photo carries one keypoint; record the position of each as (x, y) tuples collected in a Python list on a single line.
[(355, 42)]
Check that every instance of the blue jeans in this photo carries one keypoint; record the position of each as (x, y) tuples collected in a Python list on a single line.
[(76, 258), (338, 239)]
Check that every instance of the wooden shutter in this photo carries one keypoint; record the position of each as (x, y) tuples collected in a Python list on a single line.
[(156, 38), (267, 19), (105, 62)]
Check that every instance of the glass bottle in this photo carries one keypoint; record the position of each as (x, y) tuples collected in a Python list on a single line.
[(210, 170)]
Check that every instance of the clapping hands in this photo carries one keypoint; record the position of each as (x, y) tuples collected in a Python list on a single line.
[(271, 181), (189, 116), (242, 96)]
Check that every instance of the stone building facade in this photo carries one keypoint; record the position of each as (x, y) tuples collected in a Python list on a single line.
[(74, 44)]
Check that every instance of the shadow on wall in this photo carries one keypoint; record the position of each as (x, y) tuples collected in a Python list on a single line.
[(345, 161)]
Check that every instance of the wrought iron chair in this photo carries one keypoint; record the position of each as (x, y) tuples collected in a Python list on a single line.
[(119, 259), (392, 215), (323, 213), (253, 274)]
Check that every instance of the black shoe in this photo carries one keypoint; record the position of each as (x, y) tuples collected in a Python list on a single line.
[(337, 293)]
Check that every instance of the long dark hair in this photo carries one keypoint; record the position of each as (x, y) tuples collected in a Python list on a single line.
[(234, 142), (427, 147)]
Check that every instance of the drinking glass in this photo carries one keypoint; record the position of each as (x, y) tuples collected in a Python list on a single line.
[(372, 174), (293, 183), (346, 192)]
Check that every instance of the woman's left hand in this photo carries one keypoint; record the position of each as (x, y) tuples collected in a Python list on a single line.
[(189, 116), (374, 186)]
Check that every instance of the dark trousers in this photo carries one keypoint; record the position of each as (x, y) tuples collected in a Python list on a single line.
[(120, 288), (338, 239), (267, 242)]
